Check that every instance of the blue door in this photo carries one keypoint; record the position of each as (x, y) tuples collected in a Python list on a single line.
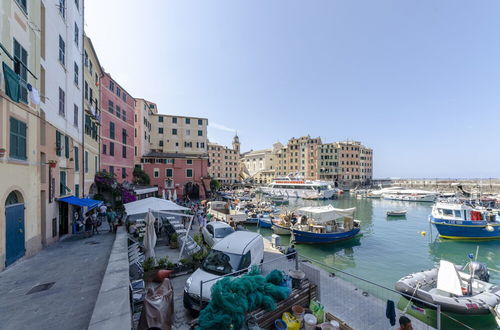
[(14, 215)]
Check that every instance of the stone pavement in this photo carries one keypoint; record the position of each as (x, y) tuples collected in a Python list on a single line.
[(76, 265)]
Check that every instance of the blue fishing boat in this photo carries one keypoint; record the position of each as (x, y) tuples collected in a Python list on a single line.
[(265, 222), (325, 225), (461, 221)]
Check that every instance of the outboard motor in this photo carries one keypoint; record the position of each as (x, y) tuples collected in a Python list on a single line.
[(479, 270)]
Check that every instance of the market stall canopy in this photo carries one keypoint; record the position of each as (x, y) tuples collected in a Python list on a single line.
[(152, 204), (326, 213), (82, 202)]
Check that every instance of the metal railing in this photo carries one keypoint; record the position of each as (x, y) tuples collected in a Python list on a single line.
[(359, 302)]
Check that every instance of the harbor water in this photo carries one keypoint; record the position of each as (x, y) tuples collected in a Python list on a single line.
[(392, 247)]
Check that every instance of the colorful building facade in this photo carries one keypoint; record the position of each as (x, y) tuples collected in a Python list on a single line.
[(90, 162), (117, 129), (223, 162), (20, 157)]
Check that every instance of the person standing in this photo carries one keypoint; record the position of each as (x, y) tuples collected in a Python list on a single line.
[(111, 219), (102, 212), (88, 225)]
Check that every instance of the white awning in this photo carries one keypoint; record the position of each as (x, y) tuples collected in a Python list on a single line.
[(152, 204), (326, 213)]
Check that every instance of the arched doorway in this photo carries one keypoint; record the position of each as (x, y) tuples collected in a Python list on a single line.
[(192, 190), (14, 228)]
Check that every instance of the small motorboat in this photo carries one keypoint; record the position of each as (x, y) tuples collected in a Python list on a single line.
[(397, 213), (456, 291), (265, 222)]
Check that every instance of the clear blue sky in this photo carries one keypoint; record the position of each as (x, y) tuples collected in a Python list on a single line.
[(416, 80)]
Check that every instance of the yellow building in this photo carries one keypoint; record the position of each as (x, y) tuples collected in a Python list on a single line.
[(298, 158), (92, 73), (224, 162), (20, 159)]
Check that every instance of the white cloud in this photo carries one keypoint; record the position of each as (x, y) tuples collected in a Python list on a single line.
[(221, 127)]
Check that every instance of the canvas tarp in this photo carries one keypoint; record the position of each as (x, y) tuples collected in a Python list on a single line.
[(154, 204), (322, 214)]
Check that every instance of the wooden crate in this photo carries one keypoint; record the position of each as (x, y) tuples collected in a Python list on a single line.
[(300, 297), (343, 325)]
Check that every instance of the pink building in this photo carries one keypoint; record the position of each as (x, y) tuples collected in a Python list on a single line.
[(117, 129), (185, 174)]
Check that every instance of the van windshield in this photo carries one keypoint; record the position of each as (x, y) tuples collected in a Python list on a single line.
[(223, 232), (220, 263)]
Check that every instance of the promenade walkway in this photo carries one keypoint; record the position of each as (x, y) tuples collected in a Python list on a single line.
[(75, 266)]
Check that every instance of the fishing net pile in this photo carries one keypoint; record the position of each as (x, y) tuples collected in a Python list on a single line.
[(233, 297)]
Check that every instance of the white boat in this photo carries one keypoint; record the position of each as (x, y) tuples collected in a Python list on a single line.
[(299, 188), (281, 227), (453, 289), (378, 193), (496, 312), (396, 213), (411, 195)]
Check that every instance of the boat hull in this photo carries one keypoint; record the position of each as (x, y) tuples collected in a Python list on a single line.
[(265, 223), (280, 230), (410, 198), (453, 229), (471, 305), (305, 237)]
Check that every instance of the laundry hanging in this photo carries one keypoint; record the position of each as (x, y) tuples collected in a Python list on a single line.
[(11, 82)]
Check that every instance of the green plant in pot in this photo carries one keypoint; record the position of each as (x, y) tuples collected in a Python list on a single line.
[(174, 244), (162, 263), (149, 269)]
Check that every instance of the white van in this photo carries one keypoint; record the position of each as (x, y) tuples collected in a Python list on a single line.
[(235, 252)]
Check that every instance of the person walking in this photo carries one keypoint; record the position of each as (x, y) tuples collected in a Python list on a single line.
[(95, 223), (88, 225), (111, 219)]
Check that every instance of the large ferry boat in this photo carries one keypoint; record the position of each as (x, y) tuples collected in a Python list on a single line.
[(296, 187), (461, 221)]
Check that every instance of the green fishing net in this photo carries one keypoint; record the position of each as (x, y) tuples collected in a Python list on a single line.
[(233, 297)]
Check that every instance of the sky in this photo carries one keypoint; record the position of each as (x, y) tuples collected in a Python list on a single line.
[(416, 80)]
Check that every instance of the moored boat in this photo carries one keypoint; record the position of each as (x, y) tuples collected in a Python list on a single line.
[(454, 290), (320, 225), (461, 221), (265, 222), (411, 195), (300, 188), (397, 213)]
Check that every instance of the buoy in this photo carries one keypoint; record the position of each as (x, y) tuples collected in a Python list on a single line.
[(423, 233), (490, 228)]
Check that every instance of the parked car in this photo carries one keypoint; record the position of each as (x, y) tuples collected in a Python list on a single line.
[(215, 231), (235, 252)]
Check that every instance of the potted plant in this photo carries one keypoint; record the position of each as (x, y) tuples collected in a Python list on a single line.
[(2, 152), (149, 269), (162, 263), (174, 241)]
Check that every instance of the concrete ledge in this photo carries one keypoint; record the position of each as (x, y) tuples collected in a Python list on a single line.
[(112, 308)]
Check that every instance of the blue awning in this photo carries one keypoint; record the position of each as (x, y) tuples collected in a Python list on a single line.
[(89, 203)]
